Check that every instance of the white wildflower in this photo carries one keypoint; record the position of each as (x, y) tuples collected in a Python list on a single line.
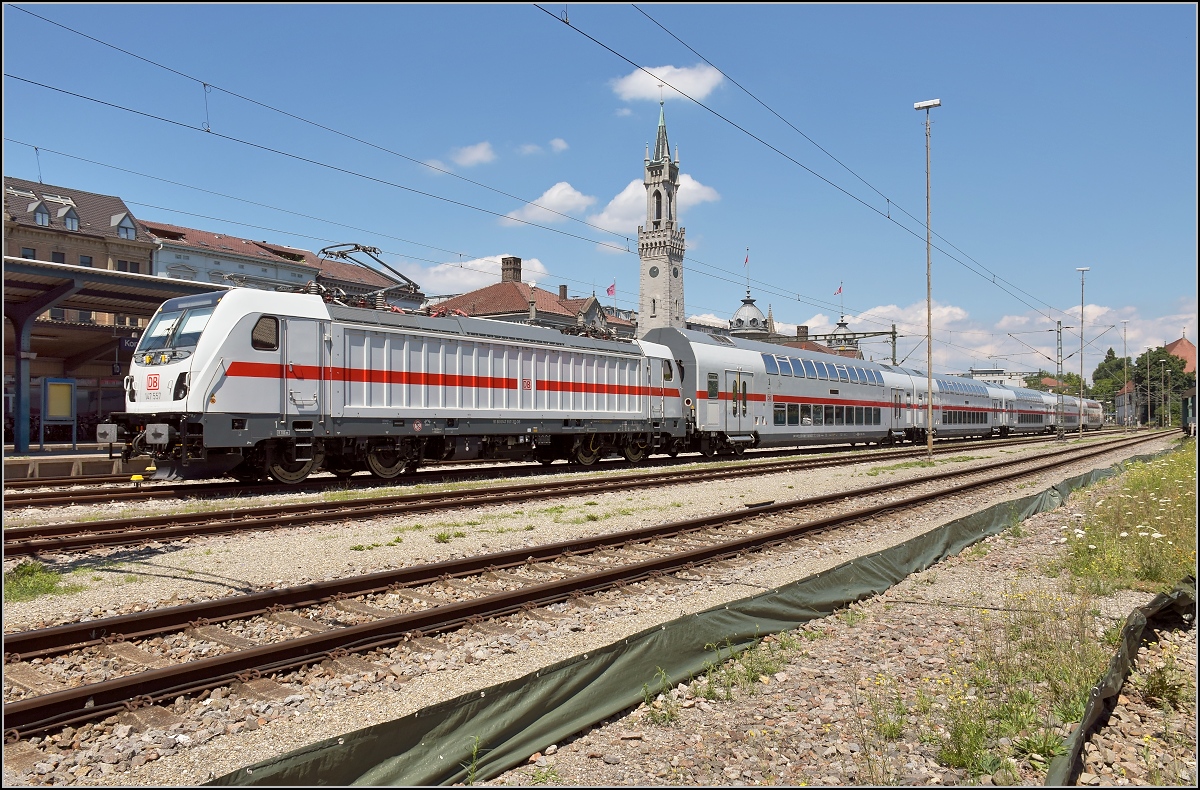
[(1124, 534)]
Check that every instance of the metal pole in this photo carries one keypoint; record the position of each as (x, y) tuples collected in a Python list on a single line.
[(1125, 355), (1081, 276), (1060, 429), (1162, 391), (928, 301)]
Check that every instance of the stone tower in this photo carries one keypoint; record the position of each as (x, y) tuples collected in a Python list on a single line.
[(660, 240)]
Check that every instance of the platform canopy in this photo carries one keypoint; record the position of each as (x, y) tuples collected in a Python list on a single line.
[(32, 287)]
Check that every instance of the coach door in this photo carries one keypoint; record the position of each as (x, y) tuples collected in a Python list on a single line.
[(737, 416), (302, 379), (657, 370)]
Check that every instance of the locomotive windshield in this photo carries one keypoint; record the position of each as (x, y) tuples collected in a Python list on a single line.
[(175, 329)]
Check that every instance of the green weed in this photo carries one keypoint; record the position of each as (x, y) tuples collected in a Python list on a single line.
[(31, 580)]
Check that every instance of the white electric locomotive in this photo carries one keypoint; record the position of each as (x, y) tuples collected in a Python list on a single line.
[(256, 384)]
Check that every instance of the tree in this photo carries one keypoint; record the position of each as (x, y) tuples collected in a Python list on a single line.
[(1109, 376), (1150, 377)]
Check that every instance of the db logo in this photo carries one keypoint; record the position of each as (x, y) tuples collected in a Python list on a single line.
[(526, 384), (152, 381), (418, 425)]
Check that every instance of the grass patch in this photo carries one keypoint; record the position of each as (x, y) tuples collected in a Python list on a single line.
[(661, 706), (543, 775), (1141, 535), (31, 580), (875, 471)]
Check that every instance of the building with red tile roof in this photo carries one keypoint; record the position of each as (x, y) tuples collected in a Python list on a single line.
[(512, 300), (1185, 350), (195, 254)]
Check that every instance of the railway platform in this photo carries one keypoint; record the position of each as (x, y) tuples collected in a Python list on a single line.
[(63, 461)]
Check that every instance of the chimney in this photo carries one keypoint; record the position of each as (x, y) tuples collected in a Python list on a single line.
[(532, 303), (510, 270), (562, 293), (802, 333)]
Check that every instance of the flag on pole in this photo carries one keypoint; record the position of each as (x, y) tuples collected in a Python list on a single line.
[(612, 289), (747, 261), (839, 290)]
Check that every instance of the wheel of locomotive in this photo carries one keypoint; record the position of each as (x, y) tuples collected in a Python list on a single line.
[(738, 450), (673, 451), (588, 452), (707, 448), (636, 452), (384, 462), (291, 472)]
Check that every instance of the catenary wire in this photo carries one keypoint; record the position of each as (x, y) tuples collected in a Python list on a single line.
[(988, 276), (310, 122)]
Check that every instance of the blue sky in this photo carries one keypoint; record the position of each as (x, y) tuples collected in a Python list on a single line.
[(1066, 138)]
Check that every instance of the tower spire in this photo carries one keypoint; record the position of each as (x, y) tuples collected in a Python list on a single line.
[(662, 150)]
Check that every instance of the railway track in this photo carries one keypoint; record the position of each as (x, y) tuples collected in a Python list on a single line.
[(65, 491), (384, 610), (83, 536)]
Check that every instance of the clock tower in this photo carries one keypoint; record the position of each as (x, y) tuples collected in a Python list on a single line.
[(660, 240)]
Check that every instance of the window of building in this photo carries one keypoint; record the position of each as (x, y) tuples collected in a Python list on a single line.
[(29, 252), (126, 229), (133, 267), (70, 218), (41, 215), (86, 317), (85, 260), (58, 257), (57, 314)]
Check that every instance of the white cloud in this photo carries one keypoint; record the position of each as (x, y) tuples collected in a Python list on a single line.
[(457, 278), (562, 197), (696, 81), (471, 155), (624, 112), (710, 319), (558, 145), (625, 211), (530, 148), (693, 193), (439, 164)]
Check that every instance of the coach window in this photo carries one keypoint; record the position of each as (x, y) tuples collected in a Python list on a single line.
[(839, 415), (769, 364), (785, 367), (745, 390), (858, 415), (780, 414), (806, 414), (821, 371), (265, 335), (733, 397), (843, 375), (829, 415), (818, 415), (714, 386), (793, 413), (668, 373), (797, 367), (854, 377), (810, 369)]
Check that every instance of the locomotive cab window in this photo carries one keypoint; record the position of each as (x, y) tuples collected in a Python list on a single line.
[(668, 373), (265, 335)]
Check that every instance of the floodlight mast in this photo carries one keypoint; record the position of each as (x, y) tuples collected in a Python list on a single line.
[(926, 106)]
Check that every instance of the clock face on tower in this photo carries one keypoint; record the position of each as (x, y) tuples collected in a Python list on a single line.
[(653, 271)]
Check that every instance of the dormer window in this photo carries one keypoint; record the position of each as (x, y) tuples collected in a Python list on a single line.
[(125, 227), (41, 215), (69, 217)]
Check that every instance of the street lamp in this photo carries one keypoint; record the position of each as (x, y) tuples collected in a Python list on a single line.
[(1162, 391), (1125, 354), (927, 106), (1081, 271)]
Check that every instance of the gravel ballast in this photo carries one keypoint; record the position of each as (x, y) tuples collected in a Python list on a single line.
[(238, 732)]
